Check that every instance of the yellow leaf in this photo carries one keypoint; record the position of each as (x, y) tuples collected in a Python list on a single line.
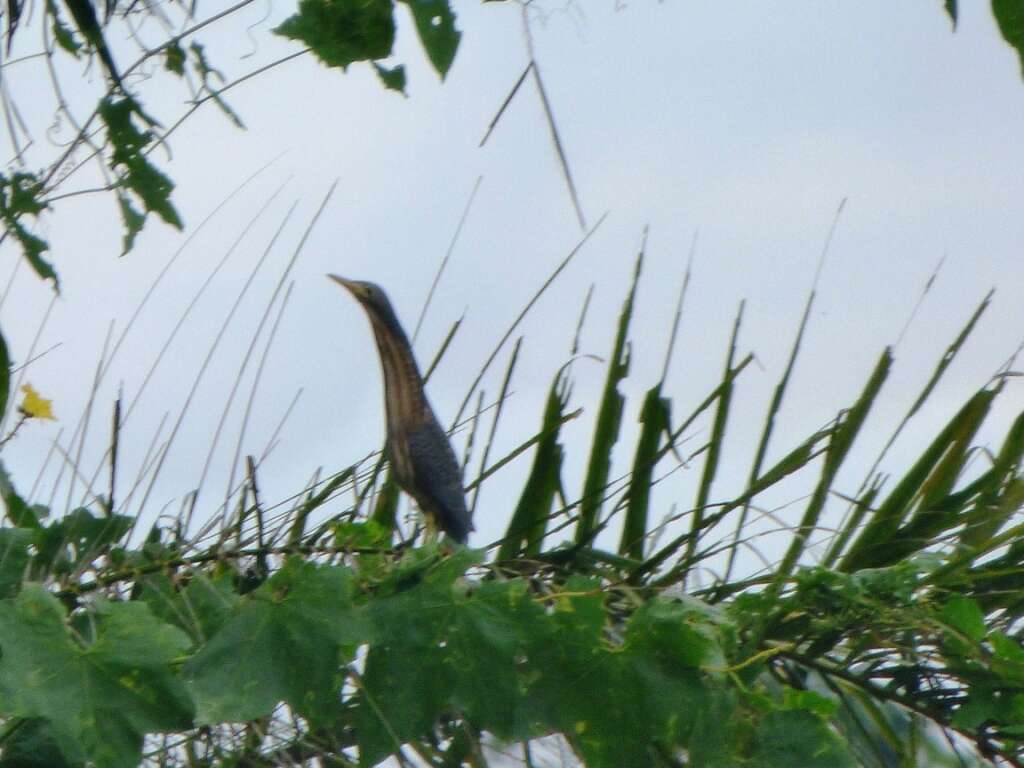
[(34, 406)]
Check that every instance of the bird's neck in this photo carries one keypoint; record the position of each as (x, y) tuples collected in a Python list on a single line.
[(404, 401)]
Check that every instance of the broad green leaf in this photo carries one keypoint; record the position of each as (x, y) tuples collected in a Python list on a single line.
[(435, 25), (721, 726), (566, 658), (964, 615), (951, 9), (666, 644), (19, 513), (29, 743), (200, 609), (670, 631), (341, 32), (77, 539), (98, 698), (798, 737), (282, 643), (487, 643), (406, 684), (14, 558), (1010, 18), (811, 701), (404, 691)]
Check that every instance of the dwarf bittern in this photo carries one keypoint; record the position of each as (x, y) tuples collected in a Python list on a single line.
[(421, 456)]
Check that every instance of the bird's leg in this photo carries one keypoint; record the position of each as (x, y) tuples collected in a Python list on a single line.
[(430, 531)]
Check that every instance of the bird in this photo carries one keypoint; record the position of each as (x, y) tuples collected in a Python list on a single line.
[(418, 448)]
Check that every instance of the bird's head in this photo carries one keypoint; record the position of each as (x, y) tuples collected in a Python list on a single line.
[(373, 299)]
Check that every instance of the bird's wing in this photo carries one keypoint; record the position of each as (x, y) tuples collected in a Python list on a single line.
[(436, 475)]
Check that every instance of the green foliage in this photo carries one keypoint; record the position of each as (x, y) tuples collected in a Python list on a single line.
[(435, 25), (98, 693), (280, 643), (343, 643), (525, 534), (1010, 18), (149, 186), (393, 77), (21, 195), (609, 421), (341, 32)]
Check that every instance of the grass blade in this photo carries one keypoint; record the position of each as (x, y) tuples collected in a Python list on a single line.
[(717, 437), (874, 546), (838, 449), (526, 531), (655, 417), (609, 417)]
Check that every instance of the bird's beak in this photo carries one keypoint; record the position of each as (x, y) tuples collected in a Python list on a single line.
[(343, 282), (353, 287)]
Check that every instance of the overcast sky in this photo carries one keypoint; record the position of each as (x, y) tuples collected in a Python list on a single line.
[(745, 123)]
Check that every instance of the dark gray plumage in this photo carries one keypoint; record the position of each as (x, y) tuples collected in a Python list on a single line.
[(421, 455)]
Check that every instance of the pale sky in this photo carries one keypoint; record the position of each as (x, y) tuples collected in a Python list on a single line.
[(747, 125)]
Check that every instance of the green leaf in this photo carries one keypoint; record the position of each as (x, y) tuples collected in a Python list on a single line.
[(798, 737), (393, 77), (20, 196), (206, 72), (77, 539), (1010, 18), (343, 31), (964, 615), (811, 701), (133, 222), (200, 609), (487, 641), (951, 9), (406, 684), (100, 698), (282, 643), (61, 32), (174, 59), (19, 513), (30, 743), (14, 558), (84, 15), (151, 187), (435, 25)]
